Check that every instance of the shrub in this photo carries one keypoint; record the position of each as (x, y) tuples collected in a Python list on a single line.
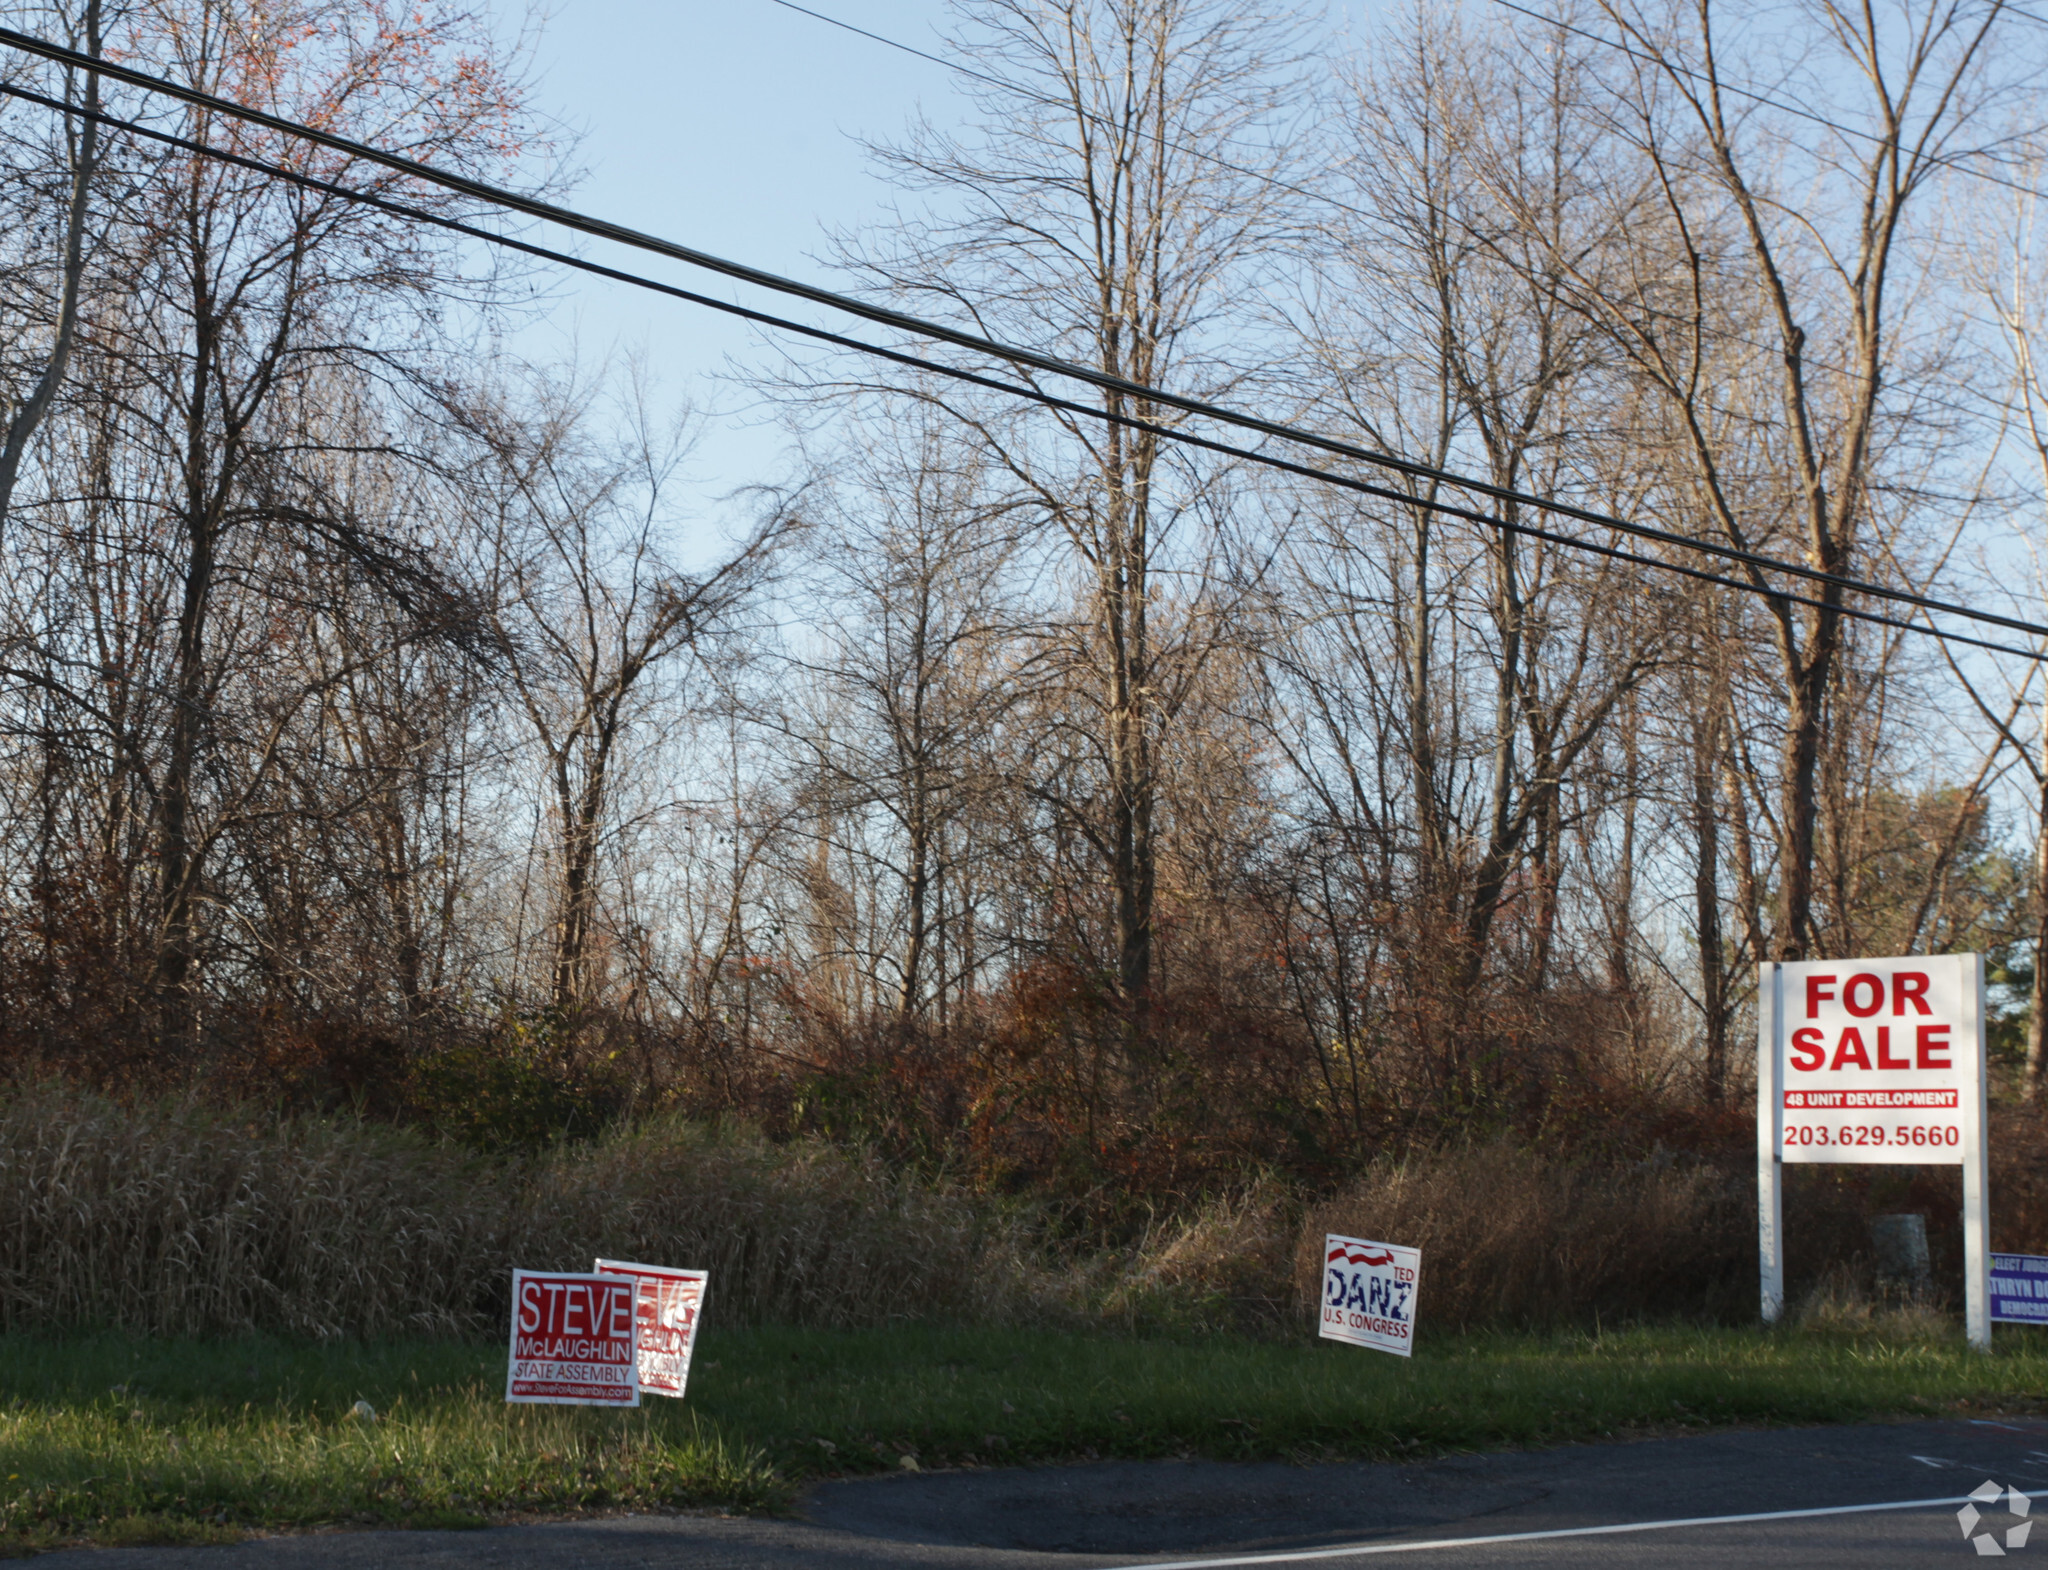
[(1229, 1263), (1519, 1236), (172, 1218), (1511, 1236)]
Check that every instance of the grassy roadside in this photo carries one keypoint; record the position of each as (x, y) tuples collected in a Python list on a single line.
[(122, 1439)]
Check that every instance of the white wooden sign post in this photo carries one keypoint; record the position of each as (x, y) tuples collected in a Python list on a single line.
[(1875, 1061)]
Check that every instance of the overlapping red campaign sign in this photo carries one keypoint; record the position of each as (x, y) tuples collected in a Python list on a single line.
[(572, 1340), (666, 1311)]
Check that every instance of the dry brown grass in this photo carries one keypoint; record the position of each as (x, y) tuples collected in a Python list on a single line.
[(174, 1219), (1520, 1237), (1230, 1261), (1510, 1236), (181, 1221), (792, 1234), (1842, 1300), (177, 1220)]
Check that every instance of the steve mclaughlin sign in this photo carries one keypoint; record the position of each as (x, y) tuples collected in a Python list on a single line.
[(572, 1340)]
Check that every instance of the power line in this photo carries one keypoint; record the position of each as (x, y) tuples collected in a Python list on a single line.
[(1118, 387), (1323, 196), (1024, 392)]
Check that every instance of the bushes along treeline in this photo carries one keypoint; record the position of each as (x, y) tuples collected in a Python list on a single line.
[(180, 1220)]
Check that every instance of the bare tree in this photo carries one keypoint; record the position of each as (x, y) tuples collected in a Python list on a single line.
[(1111, 210), (918, 656), (590, 609), (2006, 279), (81, 143), (1771, 275), (1440, 330)]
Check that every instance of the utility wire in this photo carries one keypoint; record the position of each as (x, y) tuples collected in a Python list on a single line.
[(994, 384), (1116, 386)]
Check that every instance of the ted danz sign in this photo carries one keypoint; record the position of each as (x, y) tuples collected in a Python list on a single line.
[(1369, 1293)]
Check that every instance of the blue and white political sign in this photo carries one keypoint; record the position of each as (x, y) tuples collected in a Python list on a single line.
[(2019, 1289), (1369, 1293)]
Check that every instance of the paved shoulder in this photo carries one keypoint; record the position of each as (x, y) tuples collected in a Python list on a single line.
[(1798, 1495), (1213, 1508)]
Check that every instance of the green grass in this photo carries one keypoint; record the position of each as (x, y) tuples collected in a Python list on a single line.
[(118, 1439)]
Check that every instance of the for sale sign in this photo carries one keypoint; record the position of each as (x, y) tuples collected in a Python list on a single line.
[(1877, 1059), (665, 1320), (1873, 1060), (1369, 1293), (572, 1340)]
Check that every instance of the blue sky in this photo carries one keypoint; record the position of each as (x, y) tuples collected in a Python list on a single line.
[(728, 126)]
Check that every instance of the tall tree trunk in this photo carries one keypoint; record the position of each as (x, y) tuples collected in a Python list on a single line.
[(583, 820), (1421, 724), (1621, 977), (1799, 793), (917, 894), (22, 424), (2037, 992), (178, 860), (1706, 888), (1505, 826), (1125, 611)]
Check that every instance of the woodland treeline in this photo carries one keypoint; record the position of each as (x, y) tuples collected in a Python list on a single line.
[(1040, 798)]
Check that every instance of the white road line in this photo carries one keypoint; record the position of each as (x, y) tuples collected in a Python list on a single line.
[(1423, 1545)]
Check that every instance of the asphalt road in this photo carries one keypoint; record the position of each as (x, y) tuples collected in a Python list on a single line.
[(1593, 1505)]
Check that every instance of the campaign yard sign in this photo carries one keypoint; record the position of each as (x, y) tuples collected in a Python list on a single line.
[(1878, 1059), (2019, 1289), (572, 1340), (1369, 1293), (666, 1307)]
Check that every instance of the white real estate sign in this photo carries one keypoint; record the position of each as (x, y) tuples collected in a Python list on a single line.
[(1873, 1061)]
